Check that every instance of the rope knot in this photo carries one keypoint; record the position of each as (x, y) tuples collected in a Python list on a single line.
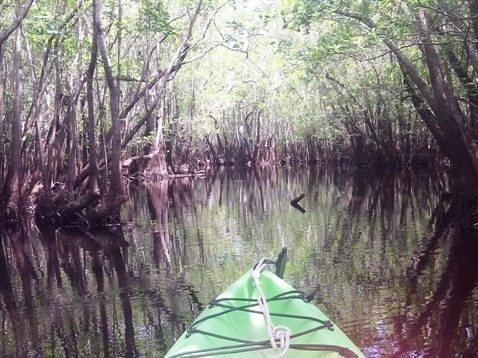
[(282, 333), (276, 333)]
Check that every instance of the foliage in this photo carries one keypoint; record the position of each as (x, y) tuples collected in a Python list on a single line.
[(253, 82), (154, 18)]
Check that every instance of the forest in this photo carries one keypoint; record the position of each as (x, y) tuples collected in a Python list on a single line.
[(96, 94)]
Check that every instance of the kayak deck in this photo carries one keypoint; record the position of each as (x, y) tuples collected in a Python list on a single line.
[(235, 325)]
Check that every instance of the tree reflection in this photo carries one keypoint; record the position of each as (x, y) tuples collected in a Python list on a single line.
[(9, 296), (108, 292), (57, 314), (437, 314), (445, 319)]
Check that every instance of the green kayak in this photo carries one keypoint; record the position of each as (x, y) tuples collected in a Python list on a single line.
[(260, 315)]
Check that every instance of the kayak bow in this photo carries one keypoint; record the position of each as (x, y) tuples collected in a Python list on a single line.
[(260, 315)]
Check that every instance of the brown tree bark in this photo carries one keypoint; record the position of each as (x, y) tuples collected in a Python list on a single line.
[(91, 126), (115, 195), (14, 178), (2, 113), (12, 185)]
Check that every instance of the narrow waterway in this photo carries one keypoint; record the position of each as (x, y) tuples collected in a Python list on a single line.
[(398, 283)]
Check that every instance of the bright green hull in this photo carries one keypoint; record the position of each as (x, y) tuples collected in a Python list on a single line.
[(244, 327)]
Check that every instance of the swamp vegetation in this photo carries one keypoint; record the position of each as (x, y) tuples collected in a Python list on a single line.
[(156, 145), (96, 93)]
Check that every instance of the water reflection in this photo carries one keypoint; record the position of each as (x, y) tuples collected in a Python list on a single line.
[(450, 307), (386, 253), (70, 293)]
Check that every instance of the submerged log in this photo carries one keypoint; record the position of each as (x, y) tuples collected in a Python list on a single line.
[(295, 203)]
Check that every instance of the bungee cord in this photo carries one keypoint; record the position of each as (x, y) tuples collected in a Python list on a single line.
[(279, 337)]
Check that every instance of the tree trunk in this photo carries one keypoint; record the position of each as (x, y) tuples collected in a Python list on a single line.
[(257, 144), (459, 146), (91, 126), (12, 185), (2, 113), (13, 182), (115, 194)]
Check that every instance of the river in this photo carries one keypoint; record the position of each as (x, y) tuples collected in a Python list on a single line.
[(386, 271)]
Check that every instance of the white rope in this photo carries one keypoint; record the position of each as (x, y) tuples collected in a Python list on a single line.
[(280, 333)]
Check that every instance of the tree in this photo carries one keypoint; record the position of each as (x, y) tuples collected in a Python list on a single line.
[(168, 88), (445, 100), (13, 181), (115, 194), (96, 79)]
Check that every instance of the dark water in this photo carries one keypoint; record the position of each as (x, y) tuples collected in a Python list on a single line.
[(390, 270)]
